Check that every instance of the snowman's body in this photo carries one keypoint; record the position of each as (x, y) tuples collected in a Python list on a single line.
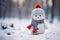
[(41, 29)]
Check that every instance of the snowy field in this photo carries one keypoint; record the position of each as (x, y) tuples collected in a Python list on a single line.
[(20, 32)]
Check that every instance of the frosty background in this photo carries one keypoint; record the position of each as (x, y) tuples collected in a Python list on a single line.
[(18, 13)]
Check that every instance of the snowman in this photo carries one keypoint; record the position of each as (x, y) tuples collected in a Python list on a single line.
[(37, 25)]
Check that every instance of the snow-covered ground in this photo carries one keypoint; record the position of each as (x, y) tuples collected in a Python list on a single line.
[(20, 32)]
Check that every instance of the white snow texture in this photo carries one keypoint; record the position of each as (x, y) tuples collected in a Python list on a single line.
[(20, 32)]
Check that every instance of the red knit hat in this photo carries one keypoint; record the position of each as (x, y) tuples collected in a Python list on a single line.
[(37, 6)]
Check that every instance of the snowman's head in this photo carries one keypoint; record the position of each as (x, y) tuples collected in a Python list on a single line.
[(38, 14)]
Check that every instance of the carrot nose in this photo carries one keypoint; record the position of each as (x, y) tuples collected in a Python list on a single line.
[(38, 17)]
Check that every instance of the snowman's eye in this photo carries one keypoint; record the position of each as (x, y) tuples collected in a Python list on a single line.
[(39, 15), (35, 15)]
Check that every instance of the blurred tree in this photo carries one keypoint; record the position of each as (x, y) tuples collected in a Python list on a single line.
[(47, 9), (59, 9), (0, 9), (3, 6), (55, 9), (52, 11), (28, 8), (9, 9)]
